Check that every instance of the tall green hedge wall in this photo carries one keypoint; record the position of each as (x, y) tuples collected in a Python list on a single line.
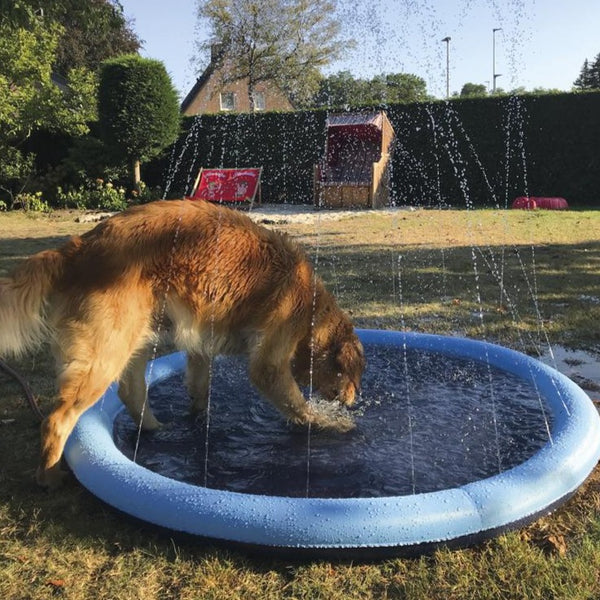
[(471, 152)]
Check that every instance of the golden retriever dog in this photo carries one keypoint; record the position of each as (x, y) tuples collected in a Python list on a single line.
[(222, 283)]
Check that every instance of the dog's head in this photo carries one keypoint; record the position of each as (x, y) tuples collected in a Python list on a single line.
[(338, 372), (337, 367)]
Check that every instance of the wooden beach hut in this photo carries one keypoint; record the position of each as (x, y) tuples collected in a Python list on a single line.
[(355, 170)]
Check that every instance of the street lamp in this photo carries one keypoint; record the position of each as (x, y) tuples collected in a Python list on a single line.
[(447, 40), (494, 74)]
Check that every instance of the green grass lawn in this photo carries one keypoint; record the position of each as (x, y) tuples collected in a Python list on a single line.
[(524, 279)]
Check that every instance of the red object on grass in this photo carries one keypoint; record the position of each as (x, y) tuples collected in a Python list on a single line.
[(548, 203), (554, 203), (524, 202), (227, 185)]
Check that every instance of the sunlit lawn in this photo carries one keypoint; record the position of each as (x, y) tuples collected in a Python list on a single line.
[(519, 278)]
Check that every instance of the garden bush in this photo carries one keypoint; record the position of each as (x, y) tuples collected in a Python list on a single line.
[(32, 202), (97, 194)]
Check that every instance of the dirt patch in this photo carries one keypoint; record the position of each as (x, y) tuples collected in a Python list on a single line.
[(282, 214)]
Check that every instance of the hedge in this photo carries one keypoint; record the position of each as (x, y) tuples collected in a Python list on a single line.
[(466, 152)]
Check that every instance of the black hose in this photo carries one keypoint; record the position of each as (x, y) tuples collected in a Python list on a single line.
[(26, 389)]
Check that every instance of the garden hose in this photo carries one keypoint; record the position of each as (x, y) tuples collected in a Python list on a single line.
[(26, 389)]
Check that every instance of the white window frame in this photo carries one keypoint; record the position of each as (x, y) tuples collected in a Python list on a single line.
[(260, 101), (223, 104)]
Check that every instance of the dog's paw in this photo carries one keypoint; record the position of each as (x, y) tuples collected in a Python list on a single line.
[(341, 424), (198, 405), (51, 479), (344, 424), (197, 411), (162, 426)]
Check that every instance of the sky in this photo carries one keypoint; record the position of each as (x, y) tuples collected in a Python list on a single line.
[(540, 43)]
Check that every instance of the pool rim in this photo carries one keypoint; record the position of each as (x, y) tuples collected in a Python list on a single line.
[(401, 525)]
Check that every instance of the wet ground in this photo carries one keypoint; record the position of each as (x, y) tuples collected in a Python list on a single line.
[(580, 366), (273, 214)]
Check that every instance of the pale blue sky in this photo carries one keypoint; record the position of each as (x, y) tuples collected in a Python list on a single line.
[(543, 43)]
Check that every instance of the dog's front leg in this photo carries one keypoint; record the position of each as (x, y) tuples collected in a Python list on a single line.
[(133, 392), (275, 381), (198, 381)]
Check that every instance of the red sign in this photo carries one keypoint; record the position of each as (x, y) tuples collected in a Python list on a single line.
[(227, 185)]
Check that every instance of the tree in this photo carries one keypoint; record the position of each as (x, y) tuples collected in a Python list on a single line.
[(470, 90), (91, 30), (589, 76), (405, 87), (30, 101), (94, 30), (138, 109), (284, 42), (342, 89), (16, 14), (584, 81)]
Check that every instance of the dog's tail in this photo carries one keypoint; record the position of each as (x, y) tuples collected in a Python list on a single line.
[(23, 299)]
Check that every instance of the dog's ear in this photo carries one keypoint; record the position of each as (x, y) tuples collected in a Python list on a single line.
[(350, 359)]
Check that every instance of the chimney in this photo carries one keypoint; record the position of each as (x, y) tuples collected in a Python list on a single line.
[(215, 52)]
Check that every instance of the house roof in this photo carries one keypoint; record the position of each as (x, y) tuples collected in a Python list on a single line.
[(197, 87)]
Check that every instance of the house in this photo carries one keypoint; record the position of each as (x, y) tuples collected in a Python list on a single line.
[(210, 95)]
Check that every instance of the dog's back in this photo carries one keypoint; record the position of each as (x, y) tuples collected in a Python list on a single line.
[(212, 260), (188, 253), (198, 262)]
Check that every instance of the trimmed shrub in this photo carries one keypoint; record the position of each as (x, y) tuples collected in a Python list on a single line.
[(138, 108)]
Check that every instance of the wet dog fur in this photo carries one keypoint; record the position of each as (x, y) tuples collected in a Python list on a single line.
[(225, 286)]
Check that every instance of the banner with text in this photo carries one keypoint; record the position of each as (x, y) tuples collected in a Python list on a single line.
[(227, 185)]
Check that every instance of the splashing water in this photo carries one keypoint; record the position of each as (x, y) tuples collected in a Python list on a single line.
[(446, 442), (449, 141)]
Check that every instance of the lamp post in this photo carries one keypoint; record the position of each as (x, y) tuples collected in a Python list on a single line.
[(494, 74), (447, 40)]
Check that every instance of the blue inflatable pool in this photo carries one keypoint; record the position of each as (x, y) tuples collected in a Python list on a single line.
[(397, 525)]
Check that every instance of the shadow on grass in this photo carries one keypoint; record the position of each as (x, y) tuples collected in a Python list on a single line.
[(493, 291), (507, 294)]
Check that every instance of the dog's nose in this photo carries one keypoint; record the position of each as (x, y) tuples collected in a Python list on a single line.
[(348, 396)]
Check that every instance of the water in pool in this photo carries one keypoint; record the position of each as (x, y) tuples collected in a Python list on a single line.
[(450, 421)]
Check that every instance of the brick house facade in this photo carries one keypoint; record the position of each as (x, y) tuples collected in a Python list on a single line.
[(210, 95)]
